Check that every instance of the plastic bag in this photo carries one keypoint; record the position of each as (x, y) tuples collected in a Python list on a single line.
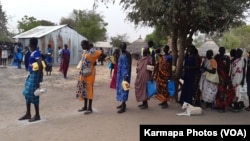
[(171, 87), (79, 65), (125, 85), (214, 78), (151, 88), (40, 91), (86, 71)]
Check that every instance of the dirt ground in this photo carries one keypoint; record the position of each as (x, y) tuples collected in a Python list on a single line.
[(60, 120)]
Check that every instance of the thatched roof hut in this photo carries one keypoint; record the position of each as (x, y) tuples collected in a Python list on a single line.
[(209, 44), (135, 47)]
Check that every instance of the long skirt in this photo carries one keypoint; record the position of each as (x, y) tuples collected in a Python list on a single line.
[(30, 87)]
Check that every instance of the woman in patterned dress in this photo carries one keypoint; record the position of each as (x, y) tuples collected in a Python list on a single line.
[(162, 74), (123, 73), (85, 83)]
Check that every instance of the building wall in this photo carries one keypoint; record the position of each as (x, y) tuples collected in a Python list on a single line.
[(58, 38)]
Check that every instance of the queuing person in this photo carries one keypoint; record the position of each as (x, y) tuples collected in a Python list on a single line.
[(152, 49), (157, 57), (192, 73), (65, 61), (4, 55), (208, 89), (223, 62), (10, 52), (111, 64), (238, 69), (112, 60), (232, 55), (86, 83), (49, 60), (162, 74), (115, 56), (102, 57), (123, 73), (26, 57), (232, 58), (18, 55), (238, 76), (142, 76), (33, 82), (231, 93), (59, 54)]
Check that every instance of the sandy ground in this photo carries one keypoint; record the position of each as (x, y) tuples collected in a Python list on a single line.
[(60, 120)]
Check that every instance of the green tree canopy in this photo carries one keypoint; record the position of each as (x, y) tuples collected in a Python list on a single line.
[(3, 25), (238, 37), (159, 37), (116, 41), (87, 23), (46, 23), (28, 23)]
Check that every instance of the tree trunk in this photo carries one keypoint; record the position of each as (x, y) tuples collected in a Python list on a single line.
[(179, 64), (174, 46)]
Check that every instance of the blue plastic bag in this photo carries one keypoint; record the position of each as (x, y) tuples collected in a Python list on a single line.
[(171, 87), (110, 65), (151, 88)]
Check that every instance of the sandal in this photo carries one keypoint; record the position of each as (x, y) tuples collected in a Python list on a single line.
[(88, 112), (25, 117), (35, 118), (82, 109)]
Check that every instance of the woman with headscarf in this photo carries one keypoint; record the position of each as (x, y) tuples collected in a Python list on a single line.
[(123, 74), (162, 74), (142, 76), (86, 83)]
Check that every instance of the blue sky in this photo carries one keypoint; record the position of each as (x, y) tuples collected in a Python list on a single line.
[(54, 10)]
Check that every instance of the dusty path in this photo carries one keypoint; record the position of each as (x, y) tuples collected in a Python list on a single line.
[(61, 121)]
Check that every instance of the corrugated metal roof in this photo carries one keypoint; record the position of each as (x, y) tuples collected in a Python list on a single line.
[(38, 31), (103, 44)]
